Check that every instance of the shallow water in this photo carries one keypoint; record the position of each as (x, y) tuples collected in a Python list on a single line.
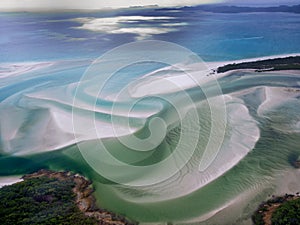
[(260, 140)]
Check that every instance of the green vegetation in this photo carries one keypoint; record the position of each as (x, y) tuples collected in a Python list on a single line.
[(282, 210), (287, 214), (288, 63), (258, 218), (41, 200)]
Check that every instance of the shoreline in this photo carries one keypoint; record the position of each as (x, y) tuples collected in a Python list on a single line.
[(271, 64), (213, 66), (266, 209), (85, 200), (216, 64), (35, 65)]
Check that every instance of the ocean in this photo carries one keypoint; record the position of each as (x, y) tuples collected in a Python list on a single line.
[(213, 36)]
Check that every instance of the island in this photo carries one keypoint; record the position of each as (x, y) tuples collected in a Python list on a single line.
[(49, 197), (285, 63)]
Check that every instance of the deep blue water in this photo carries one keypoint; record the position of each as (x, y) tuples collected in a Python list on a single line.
[(215, 37)]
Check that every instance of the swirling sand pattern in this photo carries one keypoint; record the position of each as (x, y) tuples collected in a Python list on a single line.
[(159, 134)]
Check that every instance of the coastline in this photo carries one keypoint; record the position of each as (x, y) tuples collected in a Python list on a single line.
[(266, 209), (213, 65), (266, 65), (84, 199)]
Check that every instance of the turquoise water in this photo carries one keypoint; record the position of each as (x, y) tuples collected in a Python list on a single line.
[(237, 134), (213, 36)]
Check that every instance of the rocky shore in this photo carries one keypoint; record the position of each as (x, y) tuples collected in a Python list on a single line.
[(85, 200), (263, 214), (296, 163)]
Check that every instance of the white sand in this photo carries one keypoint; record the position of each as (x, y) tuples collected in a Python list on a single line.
[(9, 180), (9, 70), (54, 124)]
